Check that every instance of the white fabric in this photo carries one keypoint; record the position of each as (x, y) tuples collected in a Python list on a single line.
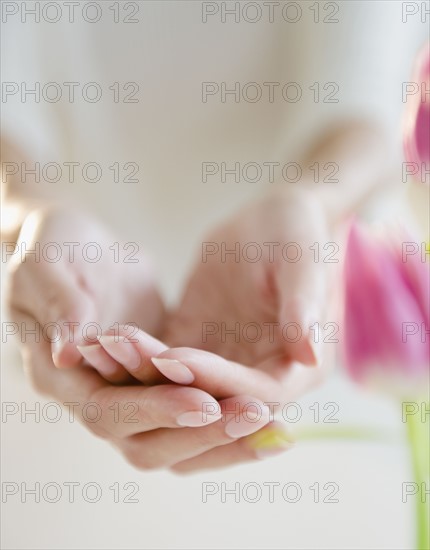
[(170, 132)]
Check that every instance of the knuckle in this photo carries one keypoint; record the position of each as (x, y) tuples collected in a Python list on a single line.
[(140, 458), (98, 423), (97, 428)]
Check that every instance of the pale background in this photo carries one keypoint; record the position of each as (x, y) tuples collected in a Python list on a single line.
[(170, 52)]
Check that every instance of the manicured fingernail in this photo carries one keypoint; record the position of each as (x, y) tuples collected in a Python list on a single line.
[(312, 349), (194, 419), (271, 441), (98, 358), (247, 423), (315, 359), (122, 350), (56, 347), (173, 370), (308, 353)]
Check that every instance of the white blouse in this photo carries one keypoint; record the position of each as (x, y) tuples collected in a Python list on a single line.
[(167, 115)]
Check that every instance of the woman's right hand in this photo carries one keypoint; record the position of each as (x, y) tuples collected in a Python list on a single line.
[(78, 283)]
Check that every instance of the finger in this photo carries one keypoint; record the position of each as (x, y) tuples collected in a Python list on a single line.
[(111, 370), (301, 284), (214, 374), (242, 415), (68, 385), (133, 350), (270, 441), (59, 304), (129, 410), (110, 411)]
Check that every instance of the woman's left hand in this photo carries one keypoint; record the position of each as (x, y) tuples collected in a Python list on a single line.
[(258, 294)]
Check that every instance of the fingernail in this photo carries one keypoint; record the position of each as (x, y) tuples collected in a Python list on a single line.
[(247, 423), (56, 347), (122, 350), (315, 348), (98, 358), (271, 441), (194, 419), (312, 351), (173, 370), (308, 353)]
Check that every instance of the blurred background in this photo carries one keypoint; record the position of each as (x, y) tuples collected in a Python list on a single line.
[(367, 50)]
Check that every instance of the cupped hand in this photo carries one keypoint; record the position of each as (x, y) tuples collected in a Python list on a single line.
[(72, 279), (258, 294)]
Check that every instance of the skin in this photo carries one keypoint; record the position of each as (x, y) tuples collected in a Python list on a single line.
[(225, 374)]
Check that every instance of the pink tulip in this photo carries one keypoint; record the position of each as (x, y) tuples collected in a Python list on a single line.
[(387, 301), (417, 118)]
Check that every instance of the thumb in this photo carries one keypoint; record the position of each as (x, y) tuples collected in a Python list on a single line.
[(301, 290)]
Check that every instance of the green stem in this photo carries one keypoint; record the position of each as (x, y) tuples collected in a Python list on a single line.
[(341, 432), (418, 436)]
